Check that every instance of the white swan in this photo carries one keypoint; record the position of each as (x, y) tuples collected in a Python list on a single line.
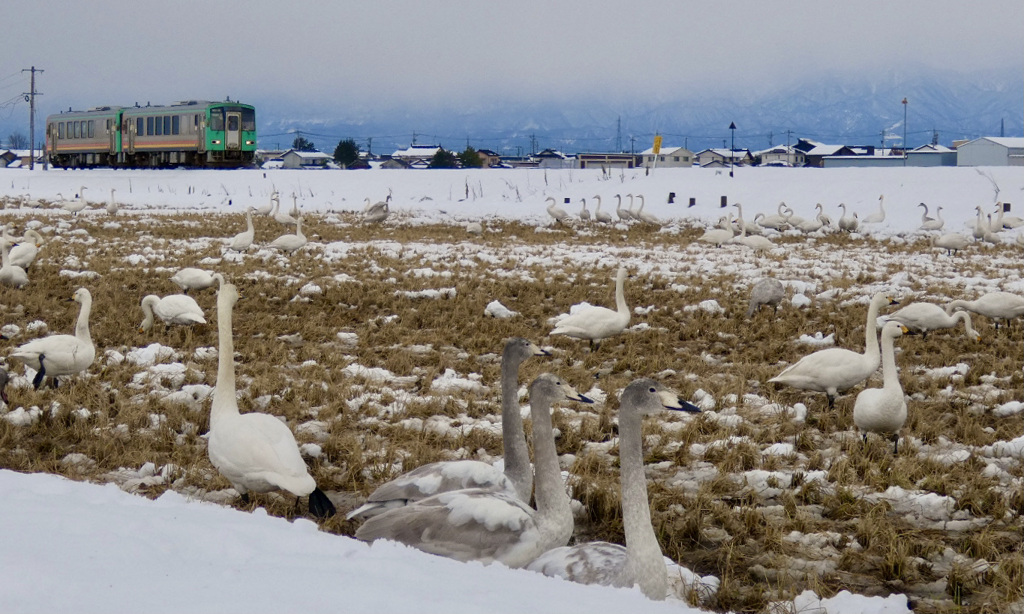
[(752, 228), (283, 217), (625, 215), (644, 216), (994, 305), (290, 243), (848, 223), (171, 309), (267, 209), (823, 217), (775, 221), (717, 235), (74, 206), (884, 410), (1004, 222), (792, 218), (640, 562), (477, 525), (433, 478), (11, 274), (601, 216), (879, 217), (378, 211), (112, 206), (835, 370), (952, 242), (191, 278), (597, 323), (923, 317), (767, 291), (474, 228), (584, 212), (243, 240), (254, 451), (58, 355), (760, 245), (816, 223), (935, 223), (981, 225), (557, 213)]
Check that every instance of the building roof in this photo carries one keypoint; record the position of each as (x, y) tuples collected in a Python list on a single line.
[(417, 151), (930, 148), (308, 155), (665, 150), (824, 150), (1006, 141)]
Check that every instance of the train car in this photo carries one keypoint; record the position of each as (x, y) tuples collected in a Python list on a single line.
[(192, 133)]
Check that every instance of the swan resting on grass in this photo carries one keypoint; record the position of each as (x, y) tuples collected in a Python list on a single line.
[(171, 309), (477, 525), (640, 562), (884, 410), (923, 317), (58, 355), (596, 324), (256, 452), (835, 370), (444, 476), (191, 278)]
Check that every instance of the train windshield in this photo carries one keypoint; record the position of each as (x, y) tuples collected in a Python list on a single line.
[(248, 119), (217, 119)]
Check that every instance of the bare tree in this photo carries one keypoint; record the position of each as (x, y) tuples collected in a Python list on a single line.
[(17, 141)]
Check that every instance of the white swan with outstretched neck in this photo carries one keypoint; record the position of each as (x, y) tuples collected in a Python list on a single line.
[(478, 525), (596, 324), (884, 410), (59, 355), (243, 240), (835, 370), (256, 452), (444, 476), (640, 562)]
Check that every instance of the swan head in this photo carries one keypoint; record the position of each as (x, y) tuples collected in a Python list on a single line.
[(518, 349), (646, 396), (81, 296), (227, 296), (549, 388), (892, 330)]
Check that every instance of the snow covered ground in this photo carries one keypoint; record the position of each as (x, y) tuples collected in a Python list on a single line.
[(83, 547)]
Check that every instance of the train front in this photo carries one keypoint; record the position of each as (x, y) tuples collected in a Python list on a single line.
[(231, 133)]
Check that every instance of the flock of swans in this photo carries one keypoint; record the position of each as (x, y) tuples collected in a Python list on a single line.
[(625, 215)]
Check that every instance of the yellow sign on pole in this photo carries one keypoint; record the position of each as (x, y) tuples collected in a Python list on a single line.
[(657, 144)]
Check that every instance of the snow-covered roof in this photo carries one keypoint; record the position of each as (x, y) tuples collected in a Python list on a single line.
[(824, 150), (309, 155), (417, 151), (665, 150), (929, 148), (1005, 141)]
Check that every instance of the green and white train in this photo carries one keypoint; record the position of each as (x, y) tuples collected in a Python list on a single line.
[(193, 133)]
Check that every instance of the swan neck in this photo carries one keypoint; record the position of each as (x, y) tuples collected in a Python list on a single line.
[(82, 326), (643, 552), (552, 500), (889, 377), (517, 454), (620, 295), (147, 310), (224, 402), (871, 330)]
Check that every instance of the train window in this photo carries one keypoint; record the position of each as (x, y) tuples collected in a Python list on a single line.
[(248, 119), (149, 125), (92, 128), (233, 123), (175, 126), (217, 120), (78, 129), (167, 124), (139, 126), (159, 126), (60, 130)]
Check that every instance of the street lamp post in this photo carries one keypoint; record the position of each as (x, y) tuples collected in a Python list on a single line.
[(904, 132), (732, 150)]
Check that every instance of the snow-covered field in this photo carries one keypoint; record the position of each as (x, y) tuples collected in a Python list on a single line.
[(376, 361)]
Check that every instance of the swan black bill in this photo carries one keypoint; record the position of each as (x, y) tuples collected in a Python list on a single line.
[(685, 406)]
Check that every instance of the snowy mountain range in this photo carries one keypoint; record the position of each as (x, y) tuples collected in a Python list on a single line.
[(832, 110)]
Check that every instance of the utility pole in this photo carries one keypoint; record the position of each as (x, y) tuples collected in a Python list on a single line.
[(369, 147), (30, 98), (771, 139), (618, 134)]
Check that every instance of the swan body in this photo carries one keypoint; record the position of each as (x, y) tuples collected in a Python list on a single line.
[(625, 215), (775, 221), (24, 253), (557, 213), (58, 355), (268, 208), (171, 309), (474, 228), (283, 217), (644, 216), (640, 562), (243, 240), (191, 278), (112, 206), (767, 291), (884, 410), (923, 317), (717, 236), (848, 223), (752, 229), (835, 370), (290, 243), (445, 476), (879, 217), (596, 323), (822, 216), (757, 243), (477, 525), (981, 225), (952, 242), (74, 206), (378, 211), (601, 216), (994, 305), (1004, 222), (255, 451), (11, 274), (584, 212), (812, 225)]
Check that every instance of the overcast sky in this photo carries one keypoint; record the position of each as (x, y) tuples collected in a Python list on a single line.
[(383, 52)]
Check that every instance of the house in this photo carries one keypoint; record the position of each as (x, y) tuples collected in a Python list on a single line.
[(305, 159), (780, 155), (991, 151), (721, 158), (606, 160), (816, 155), (489, 158), (931, 155), (416, 153), (674, 157), (552, 158)]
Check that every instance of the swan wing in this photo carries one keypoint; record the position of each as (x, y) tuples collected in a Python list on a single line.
[(829, 368), (600, 563), (259, 452)]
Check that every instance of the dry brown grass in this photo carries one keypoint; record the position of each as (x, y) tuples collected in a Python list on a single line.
[(707, 511)]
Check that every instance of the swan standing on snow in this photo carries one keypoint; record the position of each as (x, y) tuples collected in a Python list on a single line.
[(923, 317), (879, 217), (171, 309), (11, 274), (932, 224), (835, 370), (557, 213), (243, 240), (74, 206), (884, 410), (952, 242), (625, 215), (191, 278), (290, 243), (848, 223), (601, 216), (643, 216), (256, 452), (445, 476), (760, 245), (477, 525), (283, 217), (584, 212), (59, 355), (378, 211), (1003, 222), (640, 562), (717, 235), (597, 323), (775, 221), (267, 209), (767, 291), (994, 305), (112, 206)]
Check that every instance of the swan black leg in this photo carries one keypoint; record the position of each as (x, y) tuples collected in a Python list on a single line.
[(831, 401), (38, 379), (895, 443), (320, 506)]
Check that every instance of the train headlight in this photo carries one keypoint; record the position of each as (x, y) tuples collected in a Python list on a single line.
[(250, 142), (216, 141)]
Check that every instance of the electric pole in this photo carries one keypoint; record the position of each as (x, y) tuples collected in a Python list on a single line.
[(30, 97)]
